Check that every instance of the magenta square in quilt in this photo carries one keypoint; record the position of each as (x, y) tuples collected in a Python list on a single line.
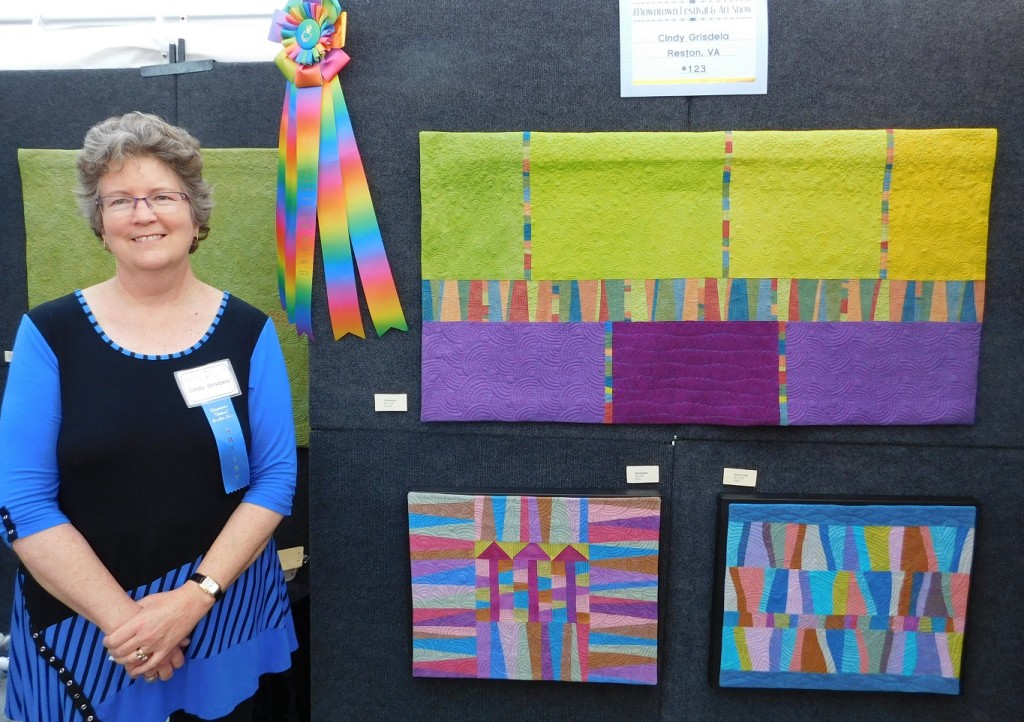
[(696, 373)]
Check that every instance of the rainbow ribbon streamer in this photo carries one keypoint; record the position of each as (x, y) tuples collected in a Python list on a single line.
[(322, 184)]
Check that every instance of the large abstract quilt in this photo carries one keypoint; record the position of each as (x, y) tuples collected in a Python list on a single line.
[(865, 596), (535, 587), (740, 278)]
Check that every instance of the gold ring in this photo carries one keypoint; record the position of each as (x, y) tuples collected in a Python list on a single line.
[(140, 655)]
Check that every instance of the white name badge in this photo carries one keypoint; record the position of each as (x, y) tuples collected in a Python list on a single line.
[(203, 384)]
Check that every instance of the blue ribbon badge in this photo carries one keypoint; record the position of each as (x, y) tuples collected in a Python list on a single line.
[(212, 386)]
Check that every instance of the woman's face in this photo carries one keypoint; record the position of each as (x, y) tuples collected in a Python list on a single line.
[(144, 238)]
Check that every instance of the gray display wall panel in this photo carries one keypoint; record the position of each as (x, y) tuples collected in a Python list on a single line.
[(852, 65), (362, 606), (992, 654), (362, 613)]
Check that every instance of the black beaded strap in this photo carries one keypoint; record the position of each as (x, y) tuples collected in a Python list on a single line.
[(71, 686)]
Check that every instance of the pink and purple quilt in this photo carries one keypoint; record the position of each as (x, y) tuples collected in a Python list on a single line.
[(553, 588)]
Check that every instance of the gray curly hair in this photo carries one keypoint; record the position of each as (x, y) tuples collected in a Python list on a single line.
[(139, 135)]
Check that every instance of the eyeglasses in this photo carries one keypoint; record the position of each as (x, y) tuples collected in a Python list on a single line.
[(163, 202)]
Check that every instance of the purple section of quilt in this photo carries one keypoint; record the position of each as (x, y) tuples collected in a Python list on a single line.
[(699, 373), (513, 372), (882, 373)]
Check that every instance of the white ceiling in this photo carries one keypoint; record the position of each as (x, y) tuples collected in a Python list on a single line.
[(117, 34)]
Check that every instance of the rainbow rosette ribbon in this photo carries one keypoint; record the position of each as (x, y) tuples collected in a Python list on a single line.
[(322, 184)]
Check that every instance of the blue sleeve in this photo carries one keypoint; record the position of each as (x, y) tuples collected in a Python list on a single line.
[(272, 457), (29, 423)]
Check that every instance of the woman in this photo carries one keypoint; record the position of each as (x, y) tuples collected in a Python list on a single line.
[(147, 452)]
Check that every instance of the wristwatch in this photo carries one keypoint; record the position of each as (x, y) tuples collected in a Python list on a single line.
[(208, 585)]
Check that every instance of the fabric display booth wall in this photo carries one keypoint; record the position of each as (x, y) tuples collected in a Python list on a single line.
[(840, 594), (535, 587), (738, 278)]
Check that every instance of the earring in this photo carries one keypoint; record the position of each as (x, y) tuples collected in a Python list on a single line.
[(194, 246)]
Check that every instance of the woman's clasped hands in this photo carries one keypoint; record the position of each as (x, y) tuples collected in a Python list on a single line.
[(151, 644)]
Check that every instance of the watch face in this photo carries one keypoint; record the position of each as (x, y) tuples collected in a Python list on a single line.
[(207, 585)]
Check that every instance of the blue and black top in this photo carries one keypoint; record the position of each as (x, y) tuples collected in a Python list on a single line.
[(101, 437)]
